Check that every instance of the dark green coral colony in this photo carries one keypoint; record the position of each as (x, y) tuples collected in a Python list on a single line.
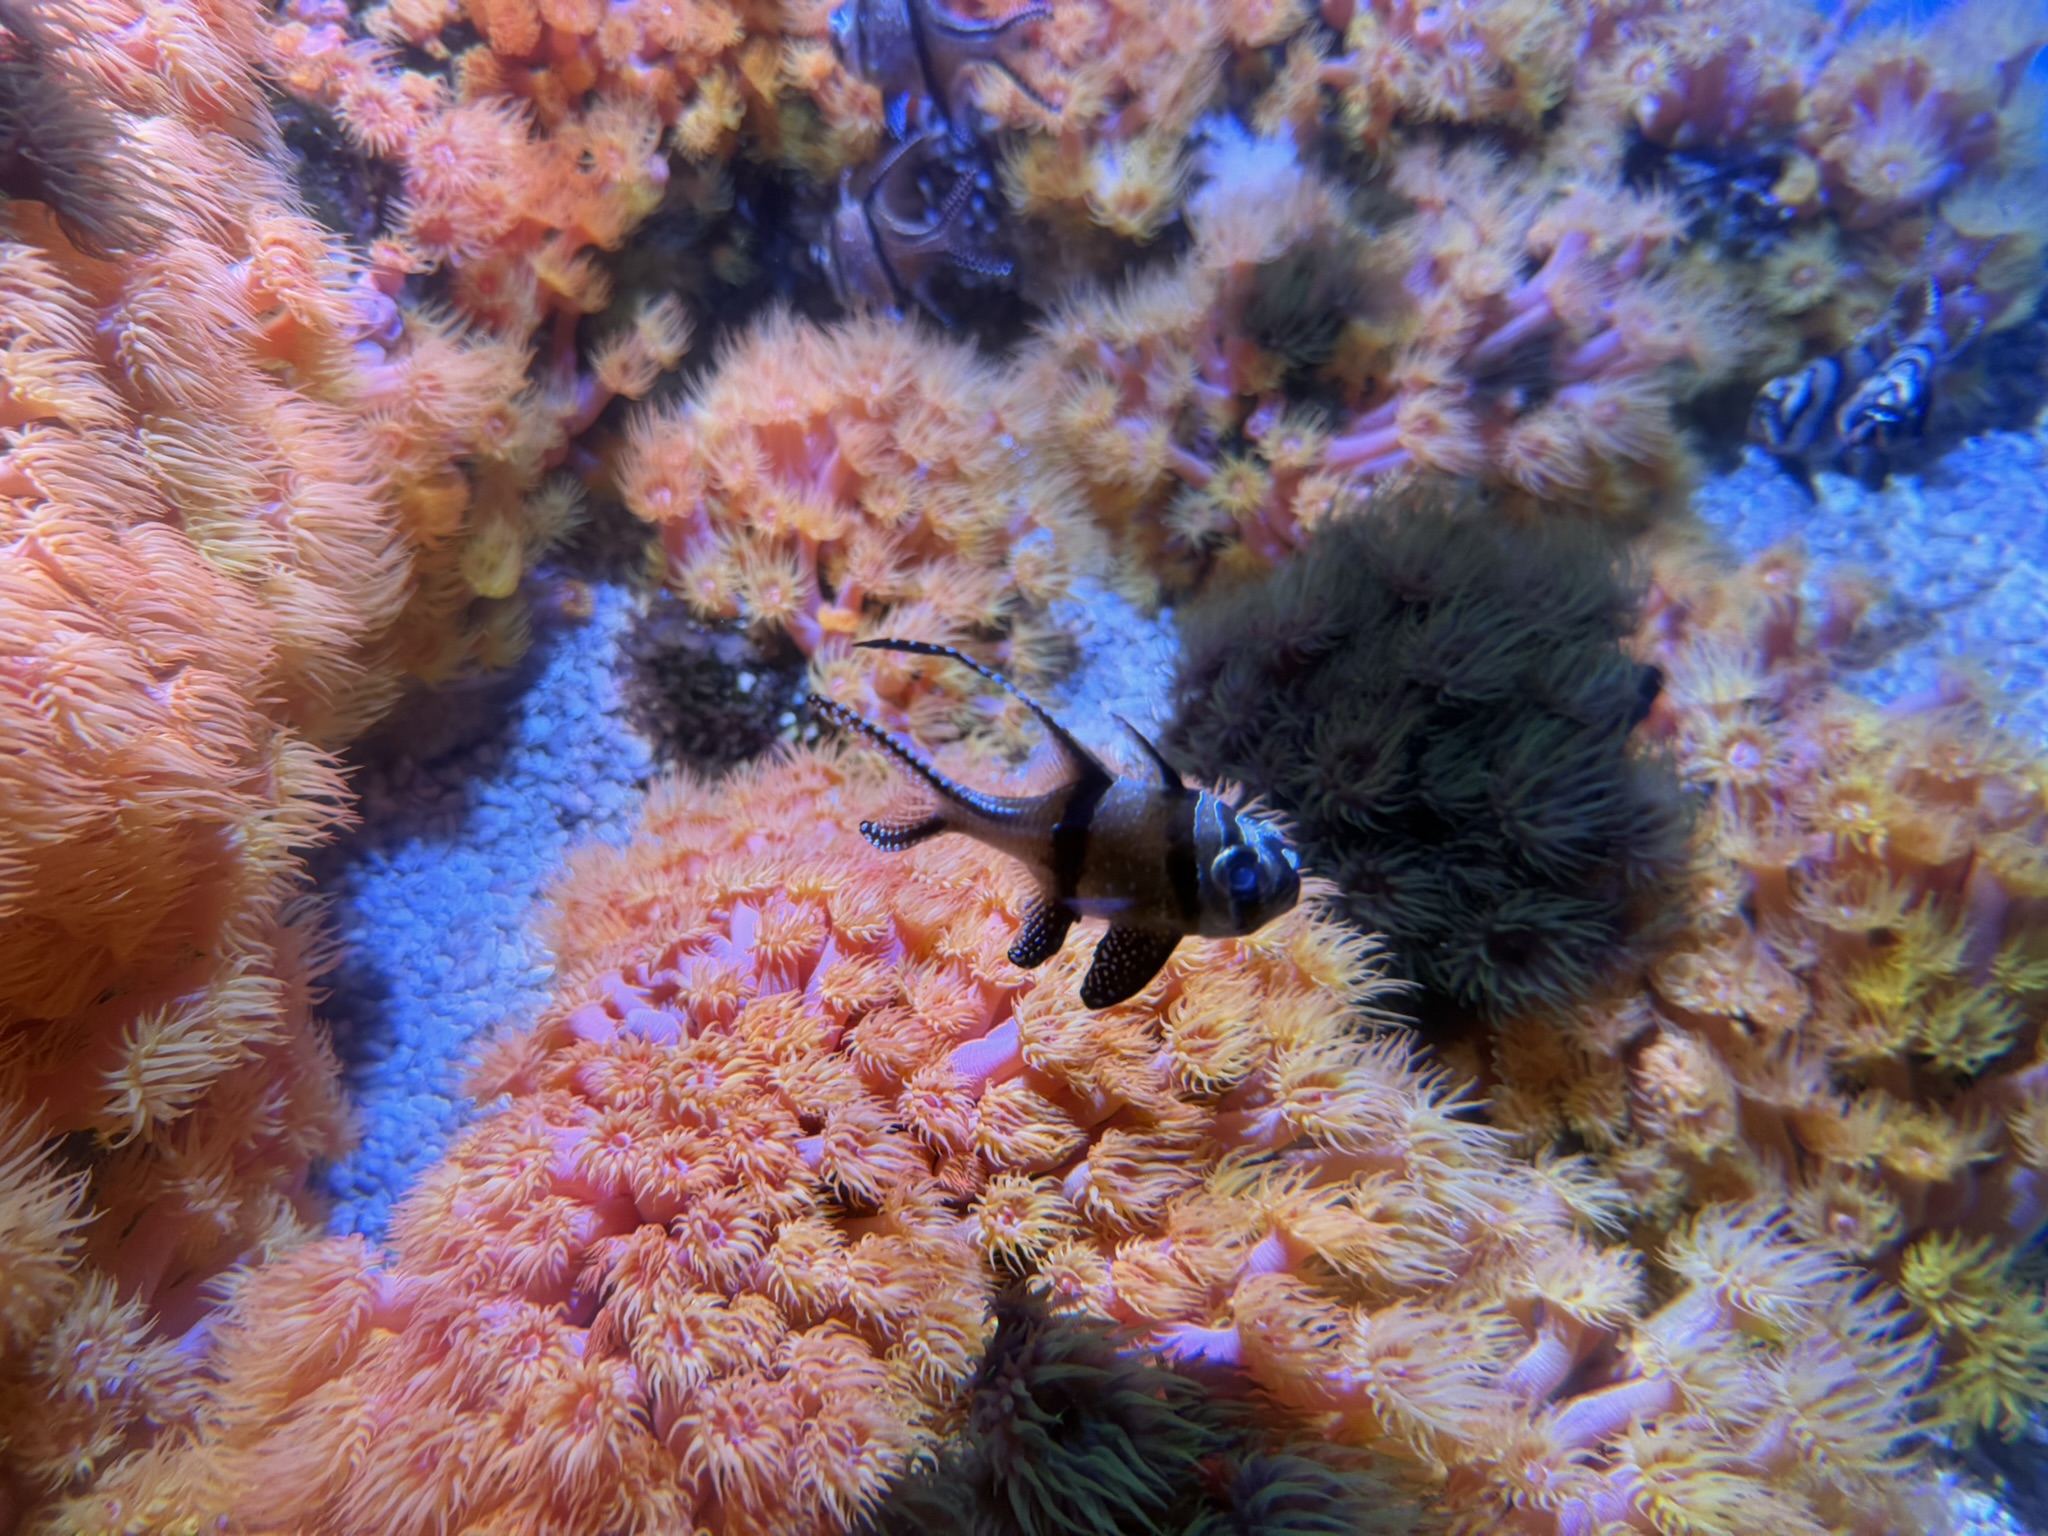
[(1442, 703), (1073, 1429)]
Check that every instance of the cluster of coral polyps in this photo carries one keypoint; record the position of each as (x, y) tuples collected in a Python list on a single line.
[(1851, 1021), (520, 167), (1530, 309), (719, 1256), (714, 73), (1531, 335), (1834, 162), (1530, 306), (1115, 93), (866, 478), (1879, 151)]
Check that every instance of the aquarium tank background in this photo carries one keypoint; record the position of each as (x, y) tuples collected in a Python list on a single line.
[(1488, 558)]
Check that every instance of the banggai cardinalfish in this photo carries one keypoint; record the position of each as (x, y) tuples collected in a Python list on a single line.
[(1159, 860)]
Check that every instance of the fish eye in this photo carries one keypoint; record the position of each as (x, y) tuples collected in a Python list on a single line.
[(1241, 873)]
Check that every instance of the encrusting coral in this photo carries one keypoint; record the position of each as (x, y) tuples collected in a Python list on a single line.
[(1442, 705), (1850, 1021), (717, 1255)]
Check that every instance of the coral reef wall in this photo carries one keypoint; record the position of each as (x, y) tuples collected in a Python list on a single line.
[(1022, 319)]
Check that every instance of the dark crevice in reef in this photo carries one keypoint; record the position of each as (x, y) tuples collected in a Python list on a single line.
[(354, 194)]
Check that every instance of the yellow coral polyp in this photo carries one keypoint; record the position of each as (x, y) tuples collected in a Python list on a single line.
[(1020, 1219), (1134, 188), (1802, 274)]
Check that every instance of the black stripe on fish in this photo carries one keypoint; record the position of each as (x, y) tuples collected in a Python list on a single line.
[(1791, 412), (1916, 360), (1893, 401), (1071, 833)]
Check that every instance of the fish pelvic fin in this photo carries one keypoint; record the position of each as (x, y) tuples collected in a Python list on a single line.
[(1125, 961), (1044, 931), (963, 803), (895, 836), (1083, 764)]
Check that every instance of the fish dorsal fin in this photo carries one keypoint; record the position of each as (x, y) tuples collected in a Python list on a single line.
[(987, 806), (1169, 778), (1085, 765)]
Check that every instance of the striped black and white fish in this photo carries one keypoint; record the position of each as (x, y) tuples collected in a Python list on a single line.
[(1859, 406), (1794, 415), (1159, 860), (1893, 402)]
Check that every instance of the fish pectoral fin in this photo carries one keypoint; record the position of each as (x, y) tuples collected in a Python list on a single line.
[(1125, 960), (1044, 931), (895, 836)]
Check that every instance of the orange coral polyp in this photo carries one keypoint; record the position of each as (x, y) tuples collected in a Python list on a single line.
[(821, 476)]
